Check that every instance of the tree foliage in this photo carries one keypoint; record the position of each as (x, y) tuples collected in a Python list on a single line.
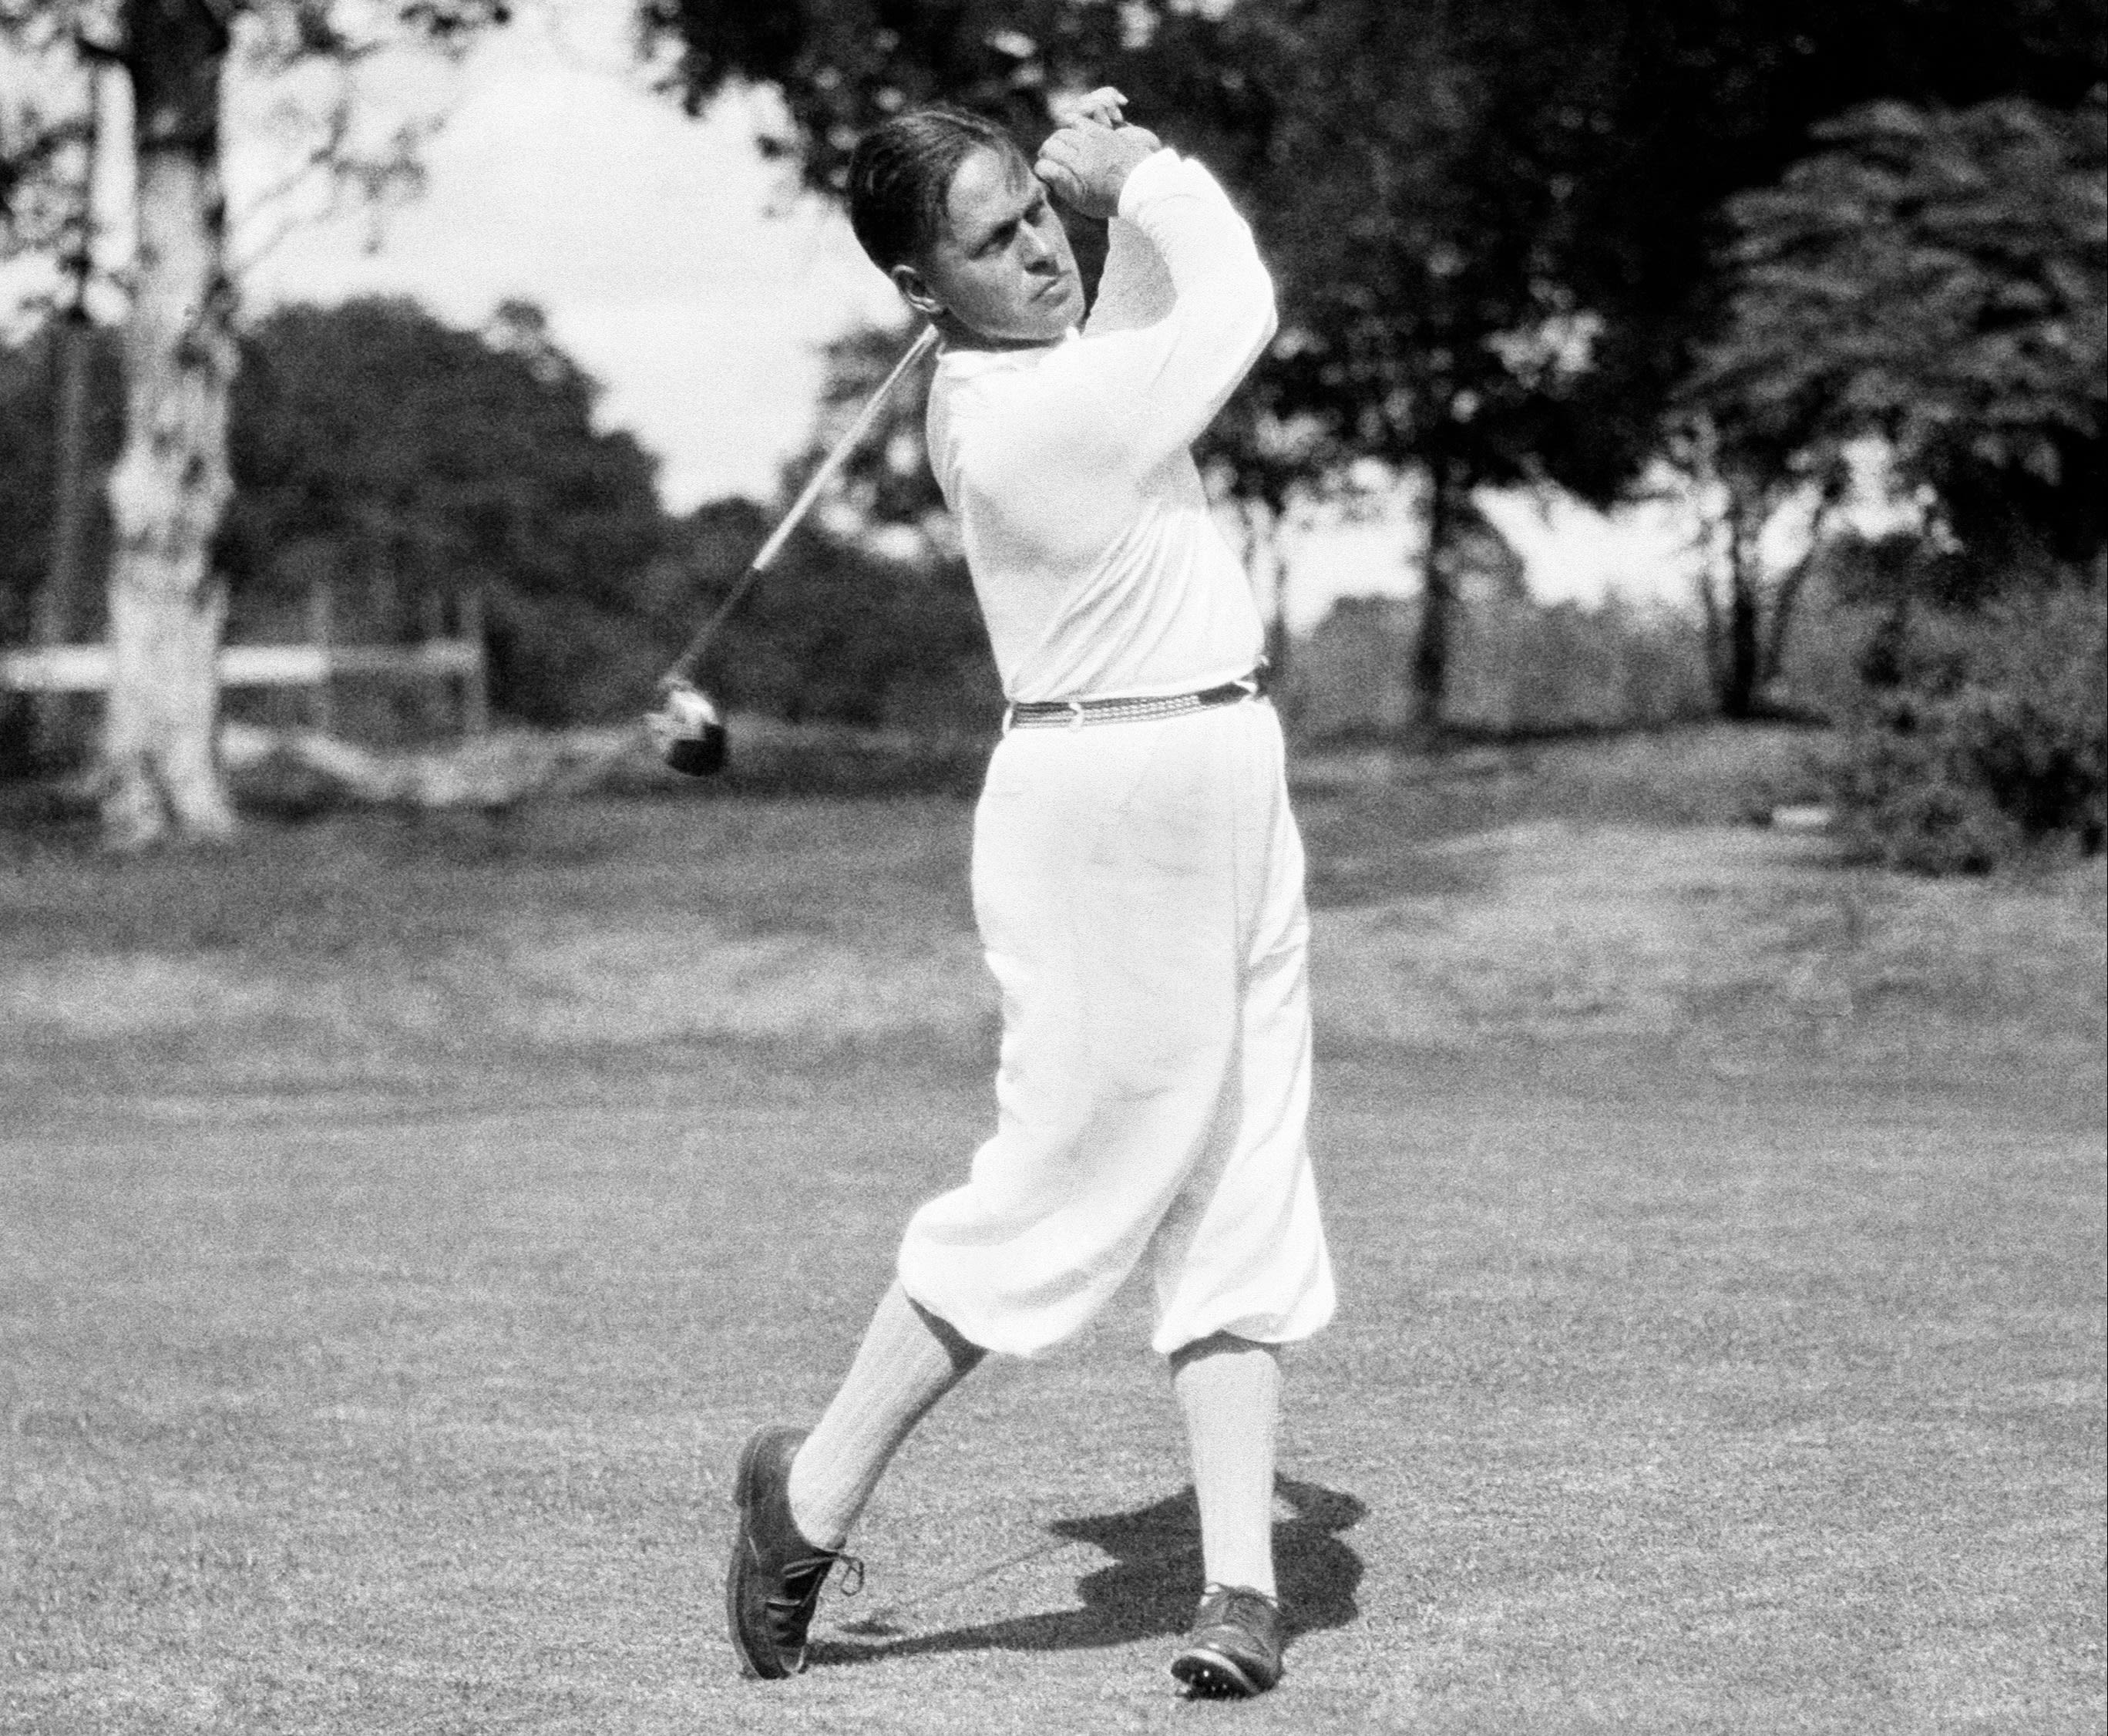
[(399, 463), (842, 65), (1492, 226), (1986, 735), (839, 632), (869, 616), (886, 488), (1937, 280), (158, 773), (1749, 503), (398, 460), (29, 390)]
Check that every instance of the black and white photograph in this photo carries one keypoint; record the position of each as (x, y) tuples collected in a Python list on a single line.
[(948, 869)]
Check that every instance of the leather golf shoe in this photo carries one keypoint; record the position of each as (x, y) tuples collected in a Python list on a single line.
[(772, 1583), (1234, 1649)]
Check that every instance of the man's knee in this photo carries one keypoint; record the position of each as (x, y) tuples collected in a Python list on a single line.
[(1215, 1344), (964, 1352)]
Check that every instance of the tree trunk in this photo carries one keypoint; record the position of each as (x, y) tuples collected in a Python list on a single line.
[(1746, 515), (1786, 596), (1430, 659), (1278, 644), (1266, 563), (1743, 616), (172, 482), (1734, 644)]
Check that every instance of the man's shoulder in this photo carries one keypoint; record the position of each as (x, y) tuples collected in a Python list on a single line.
[(959, 367), (972, 385)]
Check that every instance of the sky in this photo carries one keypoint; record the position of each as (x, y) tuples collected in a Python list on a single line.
[(675, 265), (691, 278)]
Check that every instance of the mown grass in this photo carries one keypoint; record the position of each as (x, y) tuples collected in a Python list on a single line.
[(400, 1222), (1729, 1409), (1544, 896)]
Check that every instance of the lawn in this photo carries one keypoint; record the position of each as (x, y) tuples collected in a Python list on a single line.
[(401, 1223)]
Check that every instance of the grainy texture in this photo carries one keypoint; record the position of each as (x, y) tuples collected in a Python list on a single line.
[(401, 1224)]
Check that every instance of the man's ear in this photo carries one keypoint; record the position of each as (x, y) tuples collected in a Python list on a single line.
[(915, 291)]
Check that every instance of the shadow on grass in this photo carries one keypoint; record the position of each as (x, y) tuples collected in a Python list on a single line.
[(1151, 1587)]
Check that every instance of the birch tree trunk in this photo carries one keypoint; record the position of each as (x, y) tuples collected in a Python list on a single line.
[(172, 482)]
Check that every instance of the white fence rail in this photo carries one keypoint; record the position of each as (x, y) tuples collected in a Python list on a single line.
[(86, 668)]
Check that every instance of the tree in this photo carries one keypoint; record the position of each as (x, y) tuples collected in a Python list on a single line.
[(172, 482), (404, 464), (884, 493), (1424, 321), (1492, 226), (47, 158), (1502, 271), (1748, 592), (1937, 281), (842, 65), (1267, 470), (396, 464), (64, 380), (1250, 88), (74, 340)]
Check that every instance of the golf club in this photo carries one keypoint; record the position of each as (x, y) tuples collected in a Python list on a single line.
[(687, 727)]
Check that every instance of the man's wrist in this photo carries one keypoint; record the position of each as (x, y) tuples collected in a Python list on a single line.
[(1143, 181)]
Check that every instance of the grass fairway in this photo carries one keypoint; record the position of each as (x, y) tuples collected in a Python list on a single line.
[(398, 1233)]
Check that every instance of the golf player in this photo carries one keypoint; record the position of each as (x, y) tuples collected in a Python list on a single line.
[(1138, 878)]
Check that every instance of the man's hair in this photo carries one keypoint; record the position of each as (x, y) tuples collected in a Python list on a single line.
[(900, 176)]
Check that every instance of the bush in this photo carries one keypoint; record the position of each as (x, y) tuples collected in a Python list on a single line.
[(1984, 734), (837, 635)]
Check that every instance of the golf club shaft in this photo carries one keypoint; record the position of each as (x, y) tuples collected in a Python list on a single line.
[(684, 666)]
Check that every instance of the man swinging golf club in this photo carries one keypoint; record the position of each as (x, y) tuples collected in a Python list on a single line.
[(1138, 878)]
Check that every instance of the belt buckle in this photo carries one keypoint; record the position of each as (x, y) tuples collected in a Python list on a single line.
[(1075, 713)]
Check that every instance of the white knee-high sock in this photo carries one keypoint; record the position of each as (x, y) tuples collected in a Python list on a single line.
[(1230, 1390), (908, 1360)]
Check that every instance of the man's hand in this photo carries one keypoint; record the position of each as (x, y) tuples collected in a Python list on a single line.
[(1087, 163), (1105, 105)]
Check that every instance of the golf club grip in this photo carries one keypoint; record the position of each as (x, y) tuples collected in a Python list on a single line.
[(684, 666)]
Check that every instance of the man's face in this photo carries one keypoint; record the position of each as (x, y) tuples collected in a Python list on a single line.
[(1002, 266)]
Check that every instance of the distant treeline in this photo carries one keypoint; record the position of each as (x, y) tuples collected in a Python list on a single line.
[(391, 463), (386, 464)]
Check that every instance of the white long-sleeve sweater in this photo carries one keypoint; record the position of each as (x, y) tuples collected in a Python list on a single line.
[(1098, 568)]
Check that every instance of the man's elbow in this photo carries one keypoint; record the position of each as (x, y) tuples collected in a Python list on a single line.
[(1262, 316), (1270, 320)]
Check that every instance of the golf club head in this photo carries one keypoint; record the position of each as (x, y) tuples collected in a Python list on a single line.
[(687, 730)]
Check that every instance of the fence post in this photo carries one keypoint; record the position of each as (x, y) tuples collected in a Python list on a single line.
[(320, 712), (476, 682)]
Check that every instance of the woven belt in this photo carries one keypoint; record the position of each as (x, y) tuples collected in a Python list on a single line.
[(1074, 714)]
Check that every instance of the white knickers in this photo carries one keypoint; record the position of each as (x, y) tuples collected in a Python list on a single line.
[(1139, 890)]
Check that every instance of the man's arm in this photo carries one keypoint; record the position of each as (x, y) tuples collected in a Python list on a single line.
[(1153, 389)]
